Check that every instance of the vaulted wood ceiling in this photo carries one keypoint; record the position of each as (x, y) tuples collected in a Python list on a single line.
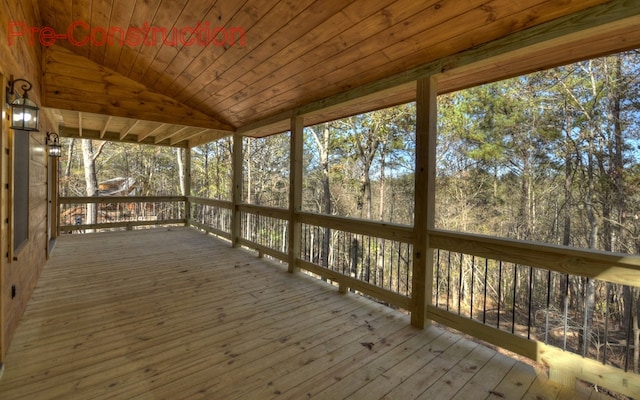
[(296, 52)]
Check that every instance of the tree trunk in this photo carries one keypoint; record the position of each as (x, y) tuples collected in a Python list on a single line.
[(615, 96), (322, 141), (379, 277), (207, 180), (636, 330), (67, 169), (566, 234), (91, 180), (180, 161)]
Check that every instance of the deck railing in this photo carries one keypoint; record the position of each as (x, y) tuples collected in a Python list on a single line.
[(264, 229), (572, 309), (575, 310), (537, 300), (211, 215), (121, 212), (369, 257)]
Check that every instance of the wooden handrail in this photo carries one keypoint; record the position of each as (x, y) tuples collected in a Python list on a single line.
[(121, 224), (272, 212), (211, 202), (120, 199), (384, 230), (610, 267)]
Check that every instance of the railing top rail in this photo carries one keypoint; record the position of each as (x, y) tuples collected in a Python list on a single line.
[(211, 202), (385, 230), (273, 212), (119, 199), (611, 267)]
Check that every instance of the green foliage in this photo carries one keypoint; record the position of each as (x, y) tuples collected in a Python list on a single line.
[(545, 157)]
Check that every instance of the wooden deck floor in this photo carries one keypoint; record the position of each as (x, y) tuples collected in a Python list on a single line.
[(176, 314)]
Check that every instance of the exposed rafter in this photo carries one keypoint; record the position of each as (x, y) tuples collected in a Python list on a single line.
[(126, 130), (186, 136), (170, 133), (74, 82), (105, 127), (151, 132)]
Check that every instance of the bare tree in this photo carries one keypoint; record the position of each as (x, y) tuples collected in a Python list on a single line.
[(89, 157)]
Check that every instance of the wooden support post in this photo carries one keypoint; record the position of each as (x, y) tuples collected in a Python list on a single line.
[(5, 241), (236, 189), (343, 288), (295, 190), (55, 204), (426, 131), (187, 185)]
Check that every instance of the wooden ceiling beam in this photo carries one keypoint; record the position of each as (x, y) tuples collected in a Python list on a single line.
[(154, 131), (111, 136), (105, 127), (204, 138), (186, 136), (80, 124), (127, 129), (170, 133), (74, 82)]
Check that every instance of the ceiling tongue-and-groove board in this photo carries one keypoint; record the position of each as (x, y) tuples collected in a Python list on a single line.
[(295, 54), (97, 102), (83, 125)]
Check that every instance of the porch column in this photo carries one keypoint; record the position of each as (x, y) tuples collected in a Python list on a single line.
[(187, 185), (236, 189), (295, 189), (55, 205), (426, 131)]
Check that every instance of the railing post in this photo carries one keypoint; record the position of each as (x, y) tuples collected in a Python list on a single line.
[(56, 196), (187, 185), (236, 189), (426, 131), (295, 189)]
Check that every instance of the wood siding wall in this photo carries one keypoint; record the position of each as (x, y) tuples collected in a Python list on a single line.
[(22, 268)]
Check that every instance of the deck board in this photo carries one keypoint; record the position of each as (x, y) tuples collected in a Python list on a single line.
[(174, 313)]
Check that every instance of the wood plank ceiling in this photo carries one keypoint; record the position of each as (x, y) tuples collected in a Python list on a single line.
[(294, 53)]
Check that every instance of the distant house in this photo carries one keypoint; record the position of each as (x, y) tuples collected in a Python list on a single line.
[(116, 187)]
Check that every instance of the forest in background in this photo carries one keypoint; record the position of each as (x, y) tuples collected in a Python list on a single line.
[(551, 157)]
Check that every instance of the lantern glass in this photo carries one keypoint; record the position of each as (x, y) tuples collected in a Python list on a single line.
[(24, 114), (55, 150)]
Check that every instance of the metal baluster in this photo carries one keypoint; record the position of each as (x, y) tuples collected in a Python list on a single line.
[(513, 311), (566, 311), (530, 302), (437, 277), (448, 280), (546, 322), (473, 282), (484, 304), (460, 282), (606, 324), (499, 293)]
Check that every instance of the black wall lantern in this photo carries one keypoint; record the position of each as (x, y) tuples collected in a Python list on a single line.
[(53, 143), (24, 112)]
